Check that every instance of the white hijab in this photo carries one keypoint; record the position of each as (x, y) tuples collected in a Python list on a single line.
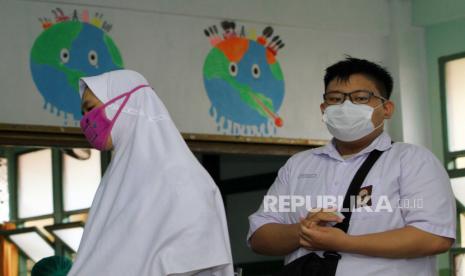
[(157, 211)]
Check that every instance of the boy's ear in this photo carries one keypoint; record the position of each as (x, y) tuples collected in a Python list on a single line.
[(389, 109)]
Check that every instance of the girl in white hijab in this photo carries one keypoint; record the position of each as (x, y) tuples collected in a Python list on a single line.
[(157, 211)]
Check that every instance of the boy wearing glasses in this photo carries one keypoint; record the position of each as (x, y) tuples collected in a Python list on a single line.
[(406, 214)]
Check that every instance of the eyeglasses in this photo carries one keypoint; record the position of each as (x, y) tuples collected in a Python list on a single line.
[(356, 97)]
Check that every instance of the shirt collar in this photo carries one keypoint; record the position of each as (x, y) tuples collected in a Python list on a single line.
[(382, 143)]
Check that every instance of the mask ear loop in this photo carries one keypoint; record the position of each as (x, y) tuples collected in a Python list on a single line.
[(127, 96), (380, 125), (383, 101), (376, 107)]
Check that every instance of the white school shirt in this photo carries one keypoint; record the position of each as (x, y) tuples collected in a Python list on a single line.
[(404, 175)]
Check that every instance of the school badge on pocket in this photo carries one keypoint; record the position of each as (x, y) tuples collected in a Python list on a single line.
[(364, 197)]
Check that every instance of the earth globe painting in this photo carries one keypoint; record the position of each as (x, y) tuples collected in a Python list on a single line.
[(243, 80), (71, 47)]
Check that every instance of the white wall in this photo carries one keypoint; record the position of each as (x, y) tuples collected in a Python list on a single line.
[(412, 121), (164, 40)]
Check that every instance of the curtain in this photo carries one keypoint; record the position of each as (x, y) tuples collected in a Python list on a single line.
[(8, 254)]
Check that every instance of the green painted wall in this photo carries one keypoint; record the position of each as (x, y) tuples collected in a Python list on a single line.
[(441, 40), (444, 23), (430, 12)]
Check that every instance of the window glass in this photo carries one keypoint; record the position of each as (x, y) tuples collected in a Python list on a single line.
[(81, 177), (33, 245), (458, 187), (4, 198), (460, 163), (71, 236), (455, 102), (35, 183), (459, 265)]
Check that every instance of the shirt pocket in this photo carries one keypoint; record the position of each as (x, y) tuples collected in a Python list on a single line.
[(383, 200), (367, 200), (307, 184), (306, 190)]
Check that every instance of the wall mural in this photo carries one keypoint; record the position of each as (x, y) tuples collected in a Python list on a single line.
[(71, 47), (243, 80)]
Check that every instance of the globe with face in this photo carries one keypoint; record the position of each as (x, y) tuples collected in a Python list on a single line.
[(65, 52), (245, 85)]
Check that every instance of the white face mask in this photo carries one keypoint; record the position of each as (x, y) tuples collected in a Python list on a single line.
[(348, 121)]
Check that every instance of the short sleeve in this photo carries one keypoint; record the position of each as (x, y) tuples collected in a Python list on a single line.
[(268, 215), (425, 186)]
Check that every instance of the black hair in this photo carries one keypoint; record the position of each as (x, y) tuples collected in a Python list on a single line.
[(342, 71)]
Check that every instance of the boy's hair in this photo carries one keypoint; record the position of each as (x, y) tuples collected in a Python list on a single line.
[(342, 71)]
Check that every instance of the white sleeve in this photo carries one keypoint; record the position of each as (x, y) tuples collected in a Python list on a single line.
[(424, 179), (268, 211)]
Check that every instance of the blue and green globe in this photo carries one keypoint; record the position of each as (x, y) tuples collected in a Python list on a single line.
[(65, 52)]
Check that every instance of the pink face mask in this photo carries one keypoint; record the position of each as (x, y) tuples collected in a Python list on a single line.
[(97, 127)]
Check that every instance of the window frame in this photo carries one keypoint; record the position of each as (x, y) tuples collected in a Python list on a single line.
[(59, 215), (449, 156), (56, 138)]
